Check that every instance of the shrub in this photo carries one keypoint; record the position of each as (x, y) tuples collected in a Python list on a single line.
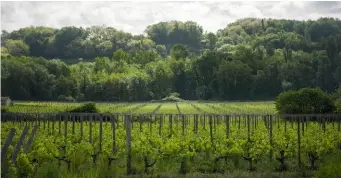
[(86, 108), (331, 167), (66, 98), (4, 109), (305, 101), (172, 98), (175, 94), (175, 97)]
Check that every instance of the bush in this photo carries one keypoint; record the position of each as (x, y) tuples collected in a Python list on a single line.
[(66, 98), (305, 101), (4, 109), (331, 167), (172, 98), (175, 94), (85, 108), (175, 97)]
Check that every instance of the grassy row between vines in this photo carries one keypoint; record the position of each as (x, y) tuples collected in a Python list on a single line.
[(166, 108)]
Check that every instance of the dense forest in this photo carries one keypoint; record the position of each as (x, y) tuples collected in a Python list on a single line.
[(250, 59)]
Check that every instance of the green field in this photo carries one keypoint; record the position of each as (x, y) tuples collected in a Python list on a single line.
[(166, 108)]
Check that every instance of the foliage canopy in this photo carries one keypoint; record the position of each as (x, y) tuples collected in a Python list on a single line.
[(305, 101), (249, 59)]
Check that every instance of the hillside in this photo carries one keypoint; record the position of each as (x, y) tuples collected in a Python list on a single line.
[(249, 59)]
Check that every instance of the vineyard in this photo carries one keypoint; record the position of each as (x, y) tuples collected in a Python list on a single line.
[(126, 139)]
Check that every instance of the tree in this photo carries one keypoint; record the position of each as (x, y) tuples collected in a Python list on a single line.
[(65, 87), (17, 47), (160, 75), (121, 56), (179, 51), (305, 101), (209, 41), (4, 36), (145, 57), (58, 68), (103, 64), (161, 49), (234, 79), (37, 38), (337, 98), (249, 59), (174, 32), (4, 52), (67, 42)]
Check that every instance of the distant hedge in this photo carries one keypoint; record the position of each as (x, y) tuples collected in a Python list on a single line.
[(305, 101), (85, 108)]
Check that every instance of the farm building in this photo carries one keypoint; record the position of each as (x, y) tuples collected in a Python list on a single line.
[(5, 101)]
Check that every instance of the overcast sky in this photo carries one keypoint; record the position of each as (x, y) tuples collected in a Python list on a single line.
[(134, 17)]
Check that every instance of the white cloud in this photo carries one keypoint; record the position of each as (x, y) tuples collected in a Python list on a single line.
[(135, 16)]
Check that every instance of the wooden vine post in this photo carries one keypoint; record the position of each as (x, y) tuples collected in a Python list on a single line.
[(299, 141), (44, 121), (211, 130), (270, 130), (195, 123), (183, 124), (73, 124), (81, 125), (100, 132), (339, 123), (248, 158), (141, 118), (113, 126), (48, 123), (53, 123), (65, 126), (170, 125), (160, 124), (183, 169), (60, 125), (285, 125), (128, 144), (227, 124), (303, 125), (90, 129)]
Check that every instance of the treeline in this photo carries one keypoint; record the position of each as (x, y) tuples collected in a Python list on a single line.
[(249, 59)]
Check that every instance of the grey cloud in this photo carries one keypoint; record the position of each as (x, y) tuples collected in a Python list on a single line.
[(135, 16), (324, 6)]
